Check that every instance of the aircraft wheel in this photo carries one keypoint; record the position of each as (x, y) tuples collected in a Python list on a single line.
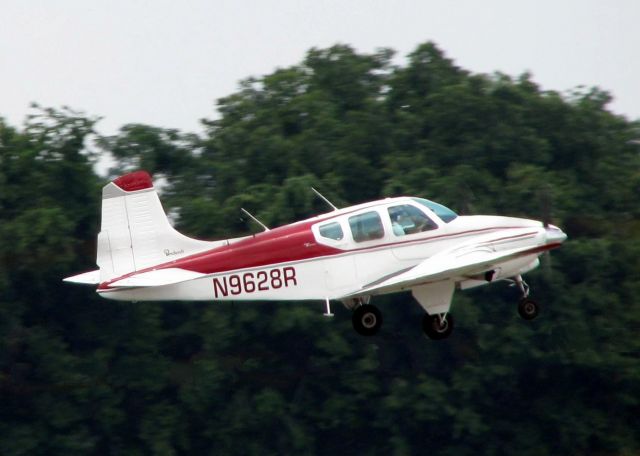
[(528, 308), (366, 320), (437, 328)]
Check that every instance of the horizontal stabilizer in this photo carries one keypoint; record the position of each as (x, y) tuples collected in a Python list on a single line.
[(156, 278), (86, 278)]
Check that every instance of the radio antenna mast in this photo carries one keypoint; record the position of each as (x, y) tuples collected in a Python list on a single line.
[(324, 199), (254, 219)]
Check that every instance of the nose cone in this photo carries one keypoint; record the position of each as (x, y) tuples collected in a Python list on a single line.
[(555, 235)]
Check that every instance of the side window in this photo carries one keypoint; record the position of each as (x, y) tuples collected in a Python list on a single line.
[(366, 227), (408, 219), (331, 230)]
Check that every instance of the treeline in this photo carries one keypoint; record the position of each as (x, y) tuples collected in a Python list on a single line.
[(80, 375)]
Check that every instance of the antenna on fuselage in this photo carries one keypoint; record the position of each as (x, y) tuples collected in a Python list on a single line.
[(324, 199), (254, 219)]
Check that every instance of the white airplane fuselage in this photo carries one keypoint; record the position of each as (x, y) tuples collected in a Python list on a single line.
[(295, 263)]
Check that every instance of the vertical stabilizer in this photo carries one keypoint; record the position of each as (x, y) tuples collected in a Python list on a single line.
[(135, 232)]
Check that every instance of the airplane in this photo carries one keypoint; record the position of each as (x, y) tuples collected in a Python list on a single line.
[(349, 255)]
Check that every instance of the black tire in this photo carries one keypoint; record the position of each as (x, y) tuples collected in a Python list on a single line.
[(366, 320), (528, 309), (436, 328)]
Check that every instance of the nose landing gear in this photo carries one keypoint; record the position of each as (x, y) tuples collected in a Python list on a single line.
[(527, 307)]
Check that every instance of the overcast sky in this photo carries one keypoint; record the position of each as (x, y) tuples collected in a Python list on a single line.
[(165, 62)]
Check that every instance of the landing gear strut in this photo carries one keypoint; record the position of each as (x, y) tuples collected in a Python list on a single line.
[(366, 319), (438, 326), (527, 307)]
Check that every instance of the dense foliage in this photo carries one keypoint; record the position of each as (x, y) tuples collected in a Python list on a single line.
[(80, 375)]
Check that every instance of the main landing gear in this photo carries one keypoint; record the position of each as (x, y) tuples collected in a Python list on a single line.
[(527, 307), (366, 319), (438, 326)]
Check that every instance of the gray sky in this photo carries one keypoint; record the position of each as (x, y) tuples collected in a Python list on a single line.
[(165, 62)]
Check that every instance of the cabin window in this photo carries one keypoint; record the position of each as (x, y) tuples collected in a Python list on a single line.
[(331, 231), (407, 219), (441, 211), (366, 227)]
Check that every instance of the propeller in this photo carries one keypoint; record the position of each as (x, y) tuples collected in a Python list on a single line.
[(545, 201)]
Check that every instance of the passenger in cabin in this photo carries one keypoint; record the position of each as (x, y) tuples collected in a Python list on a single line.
[(407, 219), (395, 224)]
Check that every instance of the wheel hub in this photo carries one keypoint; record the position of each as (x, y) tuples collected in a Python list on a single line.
[(366, 319), (440, 324), (528, 309), (437, 327), (369, 320)]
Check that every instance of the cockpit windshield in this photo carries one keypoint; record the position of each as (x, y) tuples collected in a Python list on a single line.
[(441, 211)]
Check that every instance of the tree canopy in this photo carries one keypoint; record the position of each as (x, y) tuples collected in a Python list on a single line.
[(79, 375)]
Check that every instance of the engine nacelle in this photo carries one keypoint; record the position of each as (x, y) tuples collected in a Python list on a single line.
[(510, 269)]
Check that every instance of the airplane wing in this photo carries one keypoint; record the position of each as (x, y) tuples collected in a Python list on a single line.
[(458, 263)]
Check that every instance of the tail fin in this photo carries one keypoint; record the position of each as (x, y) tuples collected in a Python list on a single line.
[(135, 232)]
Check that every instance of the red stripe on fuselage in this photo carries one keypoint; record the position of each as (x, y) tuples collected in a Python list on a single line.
[(280, 245)]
